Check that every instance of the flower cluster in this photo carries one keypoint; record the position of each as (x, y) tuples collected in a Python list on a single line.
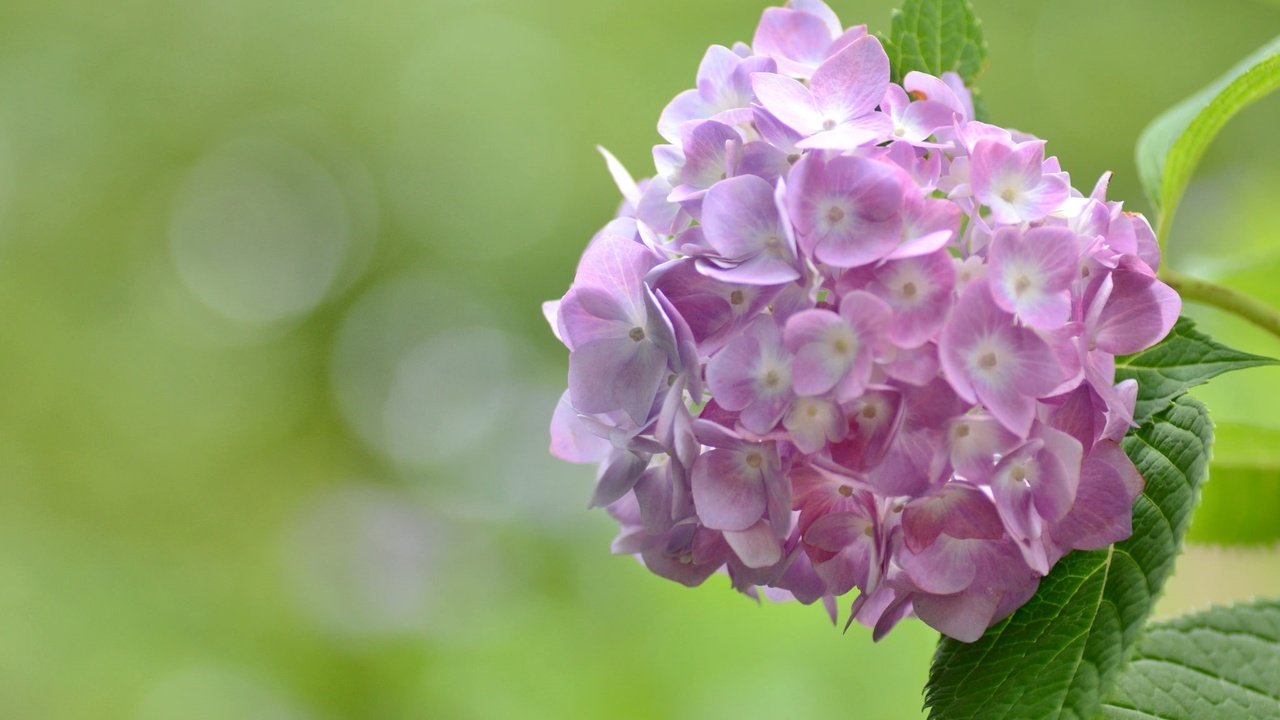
[(849, 336)]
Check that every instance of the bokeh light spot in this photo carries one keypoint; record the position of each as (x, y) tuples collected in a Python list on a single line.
[(259, 231)]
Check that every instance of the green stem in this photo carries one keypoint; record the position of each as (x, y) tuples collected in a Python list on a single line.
[(1203, 291)]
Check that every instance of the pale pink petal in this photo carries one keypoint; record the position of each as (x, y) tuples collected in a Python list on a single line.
[(756, 547), (788, 101), (852, 82)]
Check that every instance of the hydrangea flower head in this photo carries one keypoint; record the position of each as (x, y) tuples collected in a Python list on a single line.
[(846, 337)]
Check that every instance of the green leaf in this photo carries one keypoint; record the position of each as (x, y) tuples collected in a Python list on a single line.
[(1172, 145), (1184, 359), (936, 36), (1057, 656), (1220, 664)]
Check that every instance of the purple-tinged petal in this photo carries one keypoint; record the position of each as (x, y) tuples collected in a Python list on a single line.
[(882, 607), (925, 170), (928, 224), (1119, 410), (825, 348), (798, 41), (621, 374), (551, 313), (1078, 413), (587, 314), (732, 373), (802, 581), (964, 616), (850, 135), (616, 262), (777, 489), (895, 102), (685, 358), (686, 108), (957, 509), (1039, 201), (1054, 485), (571, 440), (976, 442), (659, 213), (835, 531), (909, 467), (788, 101), (913, 366), (813, 422), (947, 565), (1102, 513), (1031, 274), (653, 492), (711, 428), (852, 82), (823, 11), (927, 88), (715, 73), (1139, 312), (713, 309), (752, 374), (673, 429), (756, 547), (846, 210), (729, 488), (875, 419), (739, 218), (758, 158), (919, 292), (1010, 180), (774, 131), (705, 161), (922, 119), (686, 554), (617, 475), (986, 357), (626, 184)]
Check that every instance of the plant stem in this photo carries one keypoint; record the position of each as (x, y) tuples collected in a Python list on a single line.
[(1203, 291)]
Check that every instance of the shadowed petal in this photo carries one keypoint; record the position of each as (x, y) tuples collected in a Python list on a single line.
[(728, 491), (756, 547)]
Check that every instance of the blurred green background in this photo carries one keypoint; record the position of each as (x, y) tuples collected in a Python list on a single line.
[(274, 383)]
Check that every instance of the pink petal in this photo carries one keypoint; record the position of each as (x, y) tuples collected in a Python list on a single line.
[(1139, 313), (571, 440), (608, 375), (1102, 513), (852, 82), (689, 106), (788, 101), (963, 616), (756, 547), (739, 218), (846, 210), (728, 493), (850, 135), (615, 262), (797, 40)]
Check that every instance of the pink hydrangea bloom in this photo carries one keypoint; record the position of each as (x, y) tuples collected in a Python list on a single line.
[(847, 337)]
